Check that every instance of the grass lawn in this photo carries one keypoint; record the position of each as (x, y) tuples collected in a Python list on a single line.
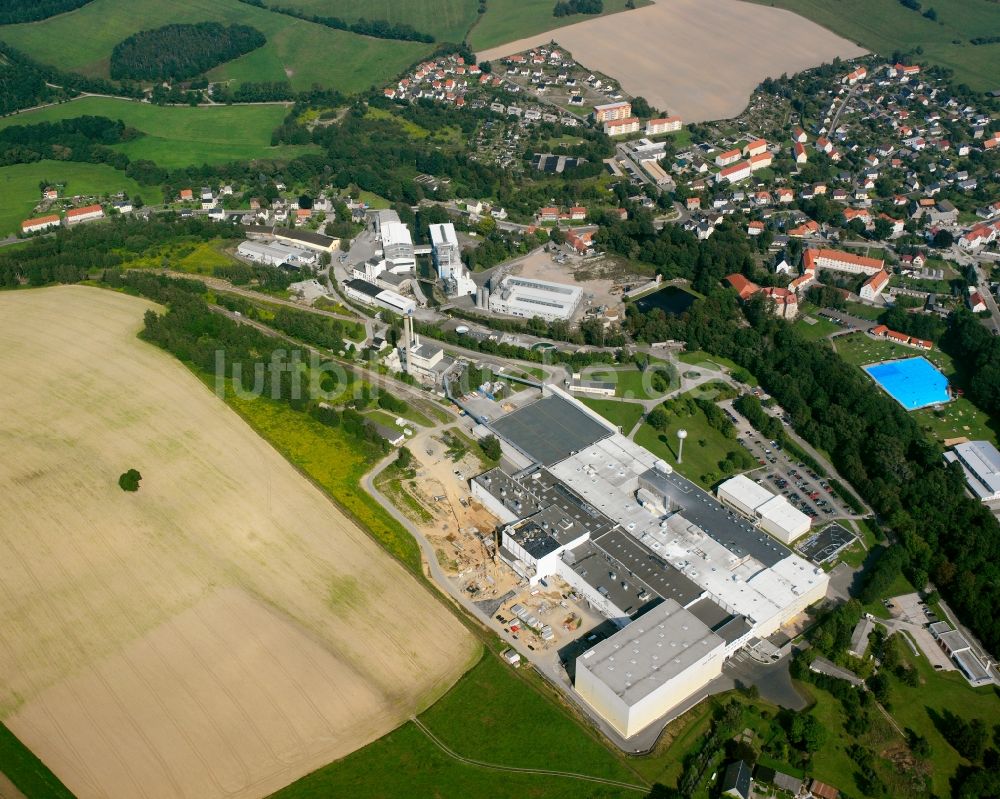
[(492, 715), (179, 136), (445, 20), (698, 357), (704, 448), (509, 20), (819, 329), (862, 311), (629, 382), (938, 691), (376, 201), (301, 52), (19, 186), (623, 414), (391, 483), (886, 25), (27, 772)]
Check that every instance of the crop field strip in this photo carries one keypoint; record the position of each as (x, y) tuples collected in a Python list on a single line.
[(222, 645), (670, 42), (301, 52)]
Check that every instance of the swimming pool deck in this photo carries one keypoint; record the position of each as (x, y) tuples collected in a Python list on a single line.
[(914, 383)]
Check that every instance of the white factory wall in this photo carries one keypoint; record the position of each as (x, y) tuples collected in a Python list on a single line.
[(784, 534), (627, 720), (492, 504)]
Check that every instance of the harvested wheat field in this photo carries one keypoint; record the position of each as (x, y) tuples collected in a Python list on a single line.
[(219, 633), (699, 59)]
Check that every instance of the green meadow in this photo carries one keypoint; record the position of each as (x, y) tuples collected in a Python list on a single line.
[(180, 136), (302, 52), (886, 25), (19, 187), (445, 20)]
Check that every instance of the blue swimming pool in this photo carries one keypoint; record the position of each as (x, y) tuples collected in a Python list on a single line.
[(912, 382)]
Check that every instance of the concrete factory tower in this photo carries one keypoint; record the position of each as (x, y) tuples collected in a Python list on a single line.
[(681, 435)]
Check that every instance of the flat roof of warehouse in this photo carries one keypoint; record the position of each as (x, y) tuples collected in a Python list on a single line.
[(550, 429)]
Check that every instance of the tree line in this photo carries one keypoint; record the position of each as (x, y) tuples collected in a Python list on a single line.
[(376, 28), (25, 83), (15, 11), (181, 50), (565, 8)]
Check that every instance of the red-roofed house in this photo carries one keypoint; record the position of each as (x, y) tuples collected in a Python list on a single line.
[(784, 195), (840, 261), (619, 127), (977, 237), (799, 153), (40, 223), (879, 331), (874, 285), (783, 302), (976, 302), (550, 214), (904, 70), (736, 172), (992, 141), (577, 212), (85, 214), (663, 125), (727, 158), (186, 194), (745, 288), (861, 214), (853, 77), (799, 135), (760, 161), (693, 203), (755, 228), (755, 147), (808, 228), (583, 243)]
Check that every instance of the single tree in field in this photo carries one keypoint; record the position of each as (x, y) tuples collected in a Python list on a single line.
[(129, 481), (491, 447)]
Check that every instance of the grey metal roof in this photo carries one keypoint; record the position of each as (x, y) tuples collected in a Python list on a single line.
[(364, 287), (734, 533), (641, 562), (550, 429), (536, 541), (629, 594)]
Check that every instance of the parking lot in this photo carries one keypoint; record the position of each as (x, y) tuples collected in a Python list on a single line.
[(782, 474)]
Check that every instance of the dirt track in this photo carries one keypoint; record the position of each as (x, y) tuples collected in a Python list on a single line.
[(221, 632), (700, 59)]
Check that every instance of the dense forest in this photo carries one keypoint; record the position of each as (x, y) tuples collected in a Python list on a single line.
[(565, 8), (180, 51), (978, 354), (86, 138), (376, 28), (25, 83), (22, 86), (14, 11)]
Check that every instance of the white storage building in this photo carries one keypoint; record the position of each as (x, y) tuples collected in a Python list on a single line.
[(275, 254), (527, 298), (370, 294), (980, 461), (774, 514), (649, 667)]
